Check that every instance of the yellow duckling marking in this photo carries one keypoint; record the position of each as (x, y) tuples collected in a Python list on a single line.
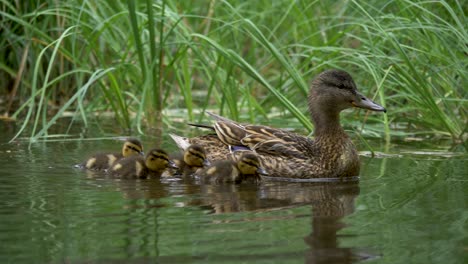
[(195, 156), (211, 171), (111, 159), (234, 174), (248, 166), (90, 163), (192, 160), (138, 168), (157, 163), (131, 147), (117, 166), (103, 161)]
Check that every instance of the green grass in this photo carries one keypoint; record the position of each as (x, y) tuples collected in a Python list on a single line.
[(145, 61)]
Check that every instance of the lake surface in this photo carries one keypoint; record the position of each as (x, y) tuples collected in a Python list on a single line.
[(407, 208)]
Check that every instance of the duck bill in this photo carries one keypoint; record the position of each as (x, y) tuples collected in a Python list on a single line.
[(262, 171), (141, 153), (172, 165), (365, 103), (206, 163)]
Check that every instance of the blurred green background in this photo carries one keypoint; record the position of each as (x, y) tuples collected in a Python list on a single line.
[(149, 63)]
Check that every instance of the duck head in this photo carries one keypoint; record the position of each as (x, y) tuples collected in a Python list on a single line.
[(336, 89), (158, 160), (195, 156), (131, 147), (331, 92), (248, 164)]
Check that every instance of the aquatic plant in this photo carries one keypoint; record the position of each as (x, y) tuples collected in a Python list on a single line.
[(144, 61)]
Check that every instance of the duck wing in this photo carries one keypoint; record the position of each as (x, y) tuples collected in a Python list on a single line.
[(262, 139)]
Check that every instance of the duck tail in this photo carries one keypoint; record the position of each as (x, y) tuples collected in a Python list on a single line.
[(202, 126), (220, 118), (182, 142)]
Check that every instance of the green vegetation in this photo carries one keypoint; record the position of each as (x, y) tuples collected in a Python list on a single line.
[(145, 61)]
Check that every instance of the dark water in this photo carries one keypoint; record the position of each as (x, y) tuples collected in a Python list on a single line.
[(406, 209)]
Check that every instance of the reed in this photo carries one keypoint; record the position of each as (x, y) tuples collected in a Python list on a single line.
[(251, 60)]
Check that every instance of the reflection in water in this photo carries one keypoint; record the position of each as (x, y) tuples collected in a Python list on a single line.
[(330, 203), (334, 203)]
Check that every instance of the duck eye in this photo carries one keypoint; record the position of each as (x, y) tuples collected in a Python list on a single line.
[(132, 148)]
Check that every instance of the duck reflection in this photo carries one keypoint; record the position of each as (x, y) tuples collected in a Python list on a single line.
[(329, 202)]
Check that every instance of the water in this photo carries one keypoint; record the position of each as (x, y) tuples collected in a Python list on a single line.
[(406, 209)]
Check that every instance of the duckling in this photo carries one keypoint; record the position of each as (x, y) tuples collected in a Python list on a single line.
[(153, 165), (245, 167), (103, 161), (192, 160)]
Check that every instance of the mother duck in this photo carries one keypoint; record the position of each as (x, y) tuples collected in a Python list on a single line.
[(331, 154)]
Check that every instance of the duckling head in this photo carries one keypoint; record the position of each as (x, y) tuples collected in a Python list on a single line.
[(195, 156), (131, 147), (248, 164), (158, 160)]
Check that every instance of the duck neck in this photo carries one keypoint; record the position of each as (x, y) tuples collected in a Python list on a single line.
[(327, 123)]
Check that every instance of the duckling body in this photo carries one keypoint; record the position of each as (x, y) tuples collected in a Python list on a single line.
[(190, 161), (285, 154), (246, 167), (103, 161), (152, 165)]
